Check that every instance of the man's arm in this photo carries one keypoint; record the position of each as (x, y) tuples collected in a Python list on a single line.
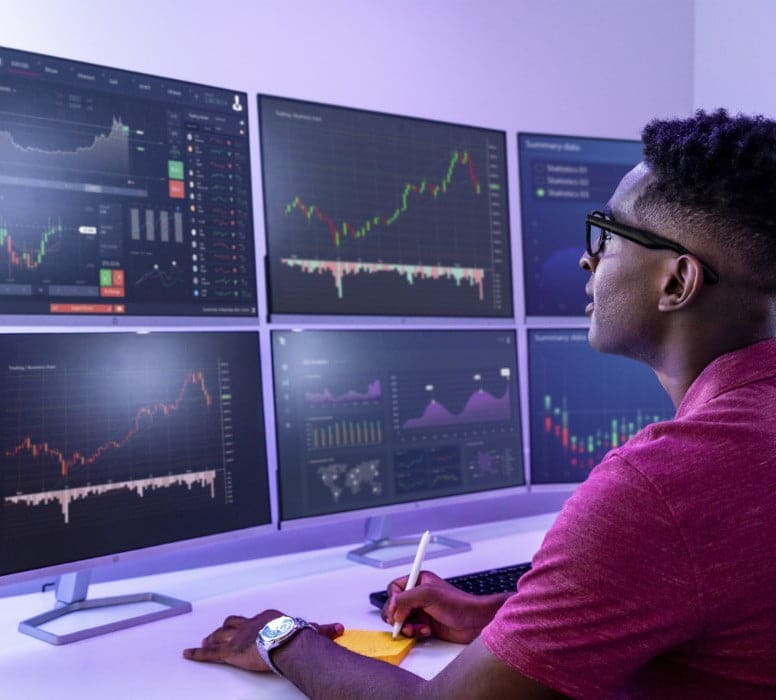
[(322, 669)]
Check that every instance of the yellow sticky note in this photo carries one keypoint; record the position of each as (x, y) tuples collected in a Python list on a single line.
[(378, 645)]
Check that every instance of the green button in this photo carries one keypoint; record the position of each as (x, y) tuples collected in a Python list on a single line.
[(175, 169)]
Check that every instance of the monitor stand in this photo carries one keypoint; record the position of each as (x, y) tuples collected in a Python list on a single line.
[(378, 540), (71, 597)]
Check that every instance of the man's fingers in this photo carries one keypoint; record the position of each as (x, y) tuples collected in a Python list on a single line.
[(418, 631), (332, 630), (218, 637), (203, 654), (234, 621)]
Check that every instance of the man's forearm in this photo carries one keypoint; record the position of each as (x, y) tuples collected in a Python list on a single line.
[(322, 669)]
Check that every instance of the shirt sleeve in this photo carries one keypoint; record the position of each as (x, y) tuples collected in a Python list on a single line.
[(611, 587)]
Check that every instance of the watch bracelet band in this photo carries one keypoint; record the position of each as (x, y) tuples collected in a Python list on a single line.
[(266, 654)]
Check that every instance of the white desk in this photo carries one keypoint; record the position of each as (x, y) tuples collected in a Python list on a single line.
[(145, 663)]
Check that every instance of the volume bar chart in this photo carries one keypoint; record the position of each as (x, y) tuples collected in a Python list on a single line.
[(340, 269), (328, 433), (64, 497)]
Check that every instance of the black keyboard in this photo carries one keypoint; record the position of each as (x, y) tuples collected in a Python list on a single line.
[(479, 582)]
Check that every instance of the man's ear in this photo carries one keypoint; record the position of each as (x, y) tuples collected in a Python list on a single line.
[(681, 283)]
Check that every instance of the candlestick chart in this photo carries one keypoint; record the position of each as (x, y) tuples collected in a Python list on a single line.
[(368, 213), (583, 404)]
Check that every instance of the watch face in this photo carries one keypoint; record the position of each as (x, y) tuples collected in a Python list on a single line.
[(278, 628)]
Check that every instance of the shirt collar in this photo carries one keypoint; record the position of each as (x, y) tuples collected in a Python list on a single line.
[(729, 371)]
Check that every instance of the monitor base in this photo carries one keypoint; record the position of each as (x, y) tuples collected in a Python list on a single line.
[(439, 546), (157, 607)]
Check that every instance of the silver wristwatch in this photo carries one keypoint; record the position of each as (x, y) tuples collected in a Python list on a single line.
[(276, 633)]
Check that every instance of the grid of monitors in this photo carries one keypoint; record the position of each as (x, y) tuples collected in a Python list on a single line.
[(584, 403), (128, 194), (113, 442), (377, 418), (376, 214), (563, 178), (122, 193)]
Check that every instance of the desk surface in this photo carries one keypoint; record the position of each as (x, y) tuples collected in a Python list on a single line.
[(145, 661)]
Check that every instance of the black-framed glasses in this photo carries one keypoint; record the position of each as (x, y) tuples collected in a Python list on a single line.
[(597, 225)]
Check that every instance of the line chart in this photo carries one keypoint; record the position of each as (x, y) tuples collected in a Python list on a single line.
[(42, 449)]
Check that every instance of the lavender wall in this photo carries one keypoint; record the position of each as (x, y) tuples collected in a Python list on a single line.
[(586, 67), (735, 55)]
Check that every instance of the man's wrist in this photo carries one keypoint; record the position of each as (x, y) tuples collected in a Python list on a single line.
[(278, 631), (282, 656)]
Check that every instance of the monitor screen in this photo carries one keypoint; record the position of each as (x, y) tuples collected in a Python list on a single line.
[(112, 442), (380, 418), (562, 179), (583, 403), (122, 193), (376, 214)]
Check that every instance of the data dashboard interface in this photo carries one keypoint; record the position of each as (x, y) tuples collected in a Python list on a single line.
[(562, 179), (376, 214), (112, 442), (584, 403), (375, 418), (122, 193)]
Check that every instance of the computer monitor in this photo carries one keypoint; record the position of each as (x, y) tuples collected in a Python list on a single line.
[(376, 214), (584, 403), (122, 193), (563, 178), (371, 422), (119, 445)]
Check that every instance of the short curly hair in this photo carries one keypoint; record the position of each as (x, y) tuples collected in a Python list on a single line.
[(716, 174)]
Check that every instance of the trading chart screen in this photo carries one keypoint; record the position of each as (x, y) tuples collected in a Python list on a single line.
[(370, 213), (562, 179), (375, 418), (114, 442), (584, 403), (122, 193)]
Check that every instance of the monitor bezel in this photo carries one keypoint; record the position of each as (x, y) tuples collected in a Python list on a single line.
[(105, 561), (53, 319), (389, 509), (544, 317), (296, 317)]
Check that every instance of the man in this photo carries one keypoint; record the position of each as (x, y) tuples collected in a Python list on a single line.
[(658, 578)]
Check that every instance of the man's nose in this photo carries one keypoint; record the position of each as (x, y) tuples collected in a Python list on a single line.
[(588, 262)]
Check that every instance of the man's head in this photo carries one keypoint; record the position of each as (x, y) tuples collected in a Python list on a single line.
[(707, 183), (715, 183)]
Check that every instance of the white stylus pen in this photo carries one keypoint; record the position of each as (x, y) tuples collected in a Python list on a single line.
[(414, 571)]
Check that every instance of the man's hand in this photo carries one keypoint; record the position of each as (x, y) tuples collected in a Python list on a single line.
[(234, 642), (437, 608)]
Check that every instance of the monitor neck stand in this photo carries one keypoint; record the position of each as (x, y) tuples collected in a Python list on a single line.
[(71, 597), (377, 535)]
